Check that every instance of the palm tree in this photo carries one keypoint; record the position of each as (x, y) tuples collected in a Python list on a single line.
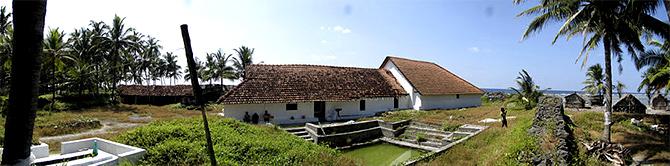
[(613, 24), (657, 61), (29, 27), (243, 59), (224, 71), (620, 87), (210, 72), (172, 68), (118, 40), (527, 91), (594, 80), (5, 58), (198, 66), (55, 47)]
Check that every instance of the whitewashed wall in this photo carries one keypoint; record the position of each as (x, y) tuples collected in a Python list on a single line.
[(450, 101), (413, 98), (278, 110), (350, 110)]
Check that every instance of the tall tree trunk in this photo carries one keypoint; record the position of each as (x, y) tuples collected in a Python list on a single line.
[(608, 91), (28, 32), (53, 83)]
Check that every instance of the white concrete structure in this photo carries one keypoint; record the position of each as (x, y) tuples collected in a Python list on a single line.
[(75, 153), (310, 93)]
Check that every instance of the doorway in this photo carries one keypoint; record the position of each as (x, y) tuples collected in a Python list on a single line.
[(320, 110)]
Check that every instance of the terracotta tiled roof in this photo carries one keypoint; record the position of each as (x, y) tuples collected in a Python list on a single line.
[(432, 79), (296, 83), (155, 90)]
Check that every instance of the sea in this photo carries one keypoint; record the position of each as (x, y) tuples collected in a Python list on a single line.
[(640, 96)]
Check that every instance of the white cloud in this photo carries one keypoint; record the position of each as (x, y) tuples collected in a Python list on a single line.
[(338, 29), (474, 49)]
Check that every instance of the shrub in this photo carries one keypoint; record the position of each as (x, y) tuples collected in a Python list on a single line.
[(448, 126), (4, 100), (182, 142), (421, 137)]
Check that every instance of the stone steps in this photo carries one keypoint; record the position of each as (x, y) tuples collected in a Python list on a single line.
[(300, 132)]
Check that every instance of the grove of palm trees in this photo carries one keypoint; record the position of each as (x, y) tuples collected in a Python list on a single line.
[(92, 60)]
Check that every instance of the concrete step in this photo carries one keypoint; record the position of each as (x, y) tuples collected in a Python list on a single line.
[(431, 144), (294, 129), (436, 136), (427, 130), (424, 125), (300, 133), (305, 136)]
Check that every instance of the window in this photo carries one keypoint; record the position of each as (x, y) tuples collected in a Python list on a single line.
[(362, 105), (458, 96), (395, 102), (291, 106)]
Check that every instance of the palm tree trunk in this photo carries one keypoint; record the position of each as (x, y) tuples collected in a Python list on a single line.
[(28, 32), (608, 91), (53, 83)]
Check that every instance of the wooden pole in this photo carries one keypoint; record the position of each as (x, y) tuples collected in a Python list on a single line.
[(197, 92)]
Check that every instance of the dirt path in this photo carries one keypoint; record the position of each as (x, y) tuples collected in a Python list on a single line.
[(107, 127)]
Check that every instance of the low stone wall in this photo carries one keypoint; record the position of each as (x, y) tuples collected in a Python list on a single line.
[(552, 129)]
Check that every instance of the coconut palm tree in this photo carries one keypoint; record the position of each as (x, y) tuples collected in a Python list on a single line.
[(55, 48), (29, 28), (198, 66), (527, 91), (119, 40), (611, 24), (5, 58), (594, 80), (657, 64), (224, 71), (620, 87), (172, 68), (243, 59), (210, 72)]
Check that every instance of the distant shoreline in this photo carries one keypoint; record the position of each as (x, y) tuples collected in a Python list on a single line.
[(551, 91)]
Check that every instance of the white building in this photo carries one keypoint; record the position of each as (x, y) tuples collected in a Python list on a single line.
[(310, 93)]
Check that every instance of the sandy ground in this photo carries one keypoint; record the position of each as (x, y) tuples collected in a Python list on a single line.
[(107, 127)]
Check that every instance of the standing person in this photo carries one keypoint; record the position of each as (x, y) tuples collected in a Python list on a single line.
[(247, 118), (503, 114), (266, 117), (254, 118)]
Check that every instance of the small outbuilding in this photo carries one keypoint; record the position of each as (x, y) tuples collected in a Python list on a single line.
[(658, 102), (629, 104), (574, 101)]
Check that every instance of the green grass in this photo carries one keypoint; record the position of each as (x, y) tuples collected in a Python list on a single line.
[(382, 154), (181, 142)]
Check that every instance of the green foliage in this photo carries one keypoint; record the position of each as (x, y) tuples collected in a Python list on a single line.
[(528, 93), (4, 100), (448, 126), (181, 142), (523, 145), (420, 137)]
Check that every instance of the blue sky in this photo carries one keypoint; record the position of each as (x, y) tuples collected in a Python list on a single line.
[(480, 40)]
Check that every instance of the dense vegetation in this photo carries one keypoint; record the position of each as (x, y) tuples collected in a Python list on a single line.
[(181, 142), (95, 58)]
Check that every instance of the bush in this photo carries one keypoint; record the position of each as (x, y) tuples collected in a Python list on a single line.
[(4, 100), (182, 142), (448, 126)]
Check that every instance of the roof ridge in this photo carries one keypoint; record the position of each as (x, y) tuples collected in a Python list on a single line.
[(402, 58), (312, 65)]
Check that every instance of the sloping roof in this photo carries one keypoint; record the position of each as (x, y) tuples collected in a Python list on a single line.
[(628, 103), (155, 90), (431, 79), (298, 83)]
